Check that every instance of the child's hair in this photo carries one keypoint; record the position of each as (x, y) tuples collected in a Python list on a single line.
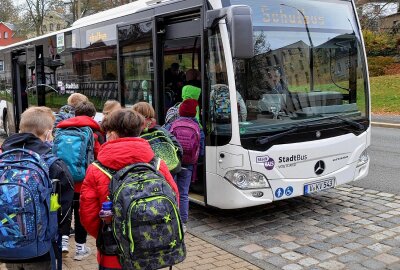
[(76, 98), (144, 109), (37, 120), (124, 122), (85, 108), (111, 105)]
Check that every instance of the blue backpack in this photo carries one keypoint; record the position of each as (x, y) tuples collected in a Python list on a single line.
[(27, 225), (75, 146)]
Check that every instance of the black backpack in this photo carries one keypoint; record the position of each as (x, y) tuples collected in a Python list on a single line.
[(146, 224)]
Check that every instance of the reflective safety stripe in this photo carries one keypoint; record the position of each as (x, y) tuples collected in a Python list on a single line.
[(102, 169)]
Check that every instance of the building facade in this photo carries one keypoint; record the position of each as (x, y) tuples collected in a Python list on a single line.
[(7, 34)]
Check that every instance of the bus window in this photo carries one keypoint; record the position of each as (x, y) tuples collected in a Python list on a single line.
[(136, 56), (219, 125), (181, 67), (99, 70)]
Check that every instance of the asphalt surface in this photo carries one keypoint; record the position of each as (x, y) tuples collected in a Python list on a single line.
[(395, 119), (384, 152)]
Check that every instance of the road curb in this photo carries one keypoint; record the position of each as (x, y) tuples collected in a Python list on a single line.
[(385, 125)]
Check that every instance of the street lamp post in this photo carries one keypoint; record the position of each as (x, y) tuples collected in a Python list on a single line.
[(311, 46)]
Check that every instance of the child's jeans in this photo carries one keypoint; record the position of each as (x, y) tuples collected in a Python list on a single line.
[(183, 179)]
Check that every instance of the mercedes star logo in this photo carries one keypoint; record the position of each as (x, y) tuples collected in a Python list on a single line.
[(319, 167)]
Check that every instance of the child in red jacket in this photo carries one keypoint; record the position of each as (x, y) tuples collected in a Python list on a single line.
[(123, 147), (84, 114)]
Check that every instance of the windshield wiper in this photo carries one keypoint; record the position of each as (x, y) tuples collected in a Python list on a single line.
[(347, 121), (267, 139), (304, 125)]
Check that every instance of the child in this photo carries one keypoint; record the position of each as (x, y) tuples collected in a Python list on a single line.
[(187, 131), (189, 91), (84, 113), (110, 106), (157, 135), (35, 129), (68, 111), (123, 147)]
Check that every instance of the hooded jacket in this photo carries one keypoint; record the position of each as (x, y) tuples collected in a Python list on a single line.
[(58, 170), (115, 155), (85, 121)]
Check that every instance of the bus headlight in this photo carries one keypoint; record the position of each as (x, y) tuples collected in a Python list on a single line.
[(247, 179), (363, 159)]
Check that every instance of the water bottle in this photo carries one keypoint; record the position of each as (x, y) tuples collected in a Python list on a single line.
[(106, 213)]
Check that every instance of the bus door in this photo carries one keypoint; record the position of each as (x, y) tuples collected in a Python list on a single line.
[(19, 78), (178, 54), (179, 51)]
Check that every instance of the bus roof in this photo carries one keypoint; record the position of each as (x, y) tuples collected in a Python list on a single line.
[(116, 12), (103, 16)]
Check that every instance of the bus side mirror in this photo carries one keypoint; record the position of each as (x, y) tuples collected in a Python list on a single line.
[(240, 27)]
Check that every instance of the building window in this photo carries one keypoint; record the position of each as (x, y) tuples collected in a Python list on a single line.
[(44, 28), (0, 34), (5, 34), (51, 27), (1, 65), (58, 26)]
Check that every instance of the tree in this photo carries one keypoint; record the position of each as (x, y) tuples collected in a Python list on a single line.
[(82, 8), (7, 11), (37, 11)]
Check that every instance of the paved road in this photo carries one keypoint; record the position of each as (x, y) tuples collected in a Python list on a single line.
[(343, 228), (384, 172)]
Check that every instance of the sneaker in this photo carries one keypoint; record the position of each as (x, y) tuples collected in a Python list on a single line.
[(82, 251), (64, 244), (184, 228)]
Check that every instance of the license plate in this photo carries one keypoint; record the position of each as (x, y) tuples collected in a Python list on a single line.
[(320, 185)]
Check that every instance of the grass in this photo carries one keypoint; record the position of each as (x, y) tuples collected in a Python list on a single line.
[(385, 94)]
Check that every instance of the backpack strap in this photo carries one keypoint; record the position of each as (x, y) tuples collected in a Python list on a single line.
[(104, 169), (156, 163), (50, 158)]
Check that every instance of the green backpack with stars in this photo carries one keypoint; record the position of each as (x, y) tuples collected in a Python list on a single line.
[(146, 223), (164, 148)]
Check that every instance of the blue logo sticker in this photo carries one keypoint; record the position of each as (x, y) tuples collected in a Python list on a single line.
[(279, 192), (289, 191)]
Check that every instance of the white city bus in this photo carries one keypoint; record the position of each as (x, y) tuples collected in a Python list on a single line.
[(294, 70)]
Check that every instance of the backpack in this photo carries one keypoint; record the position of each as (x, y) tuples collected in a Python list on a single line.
[(220, 103), (66, 112), (146, 223), (164, 148), (187, 132), (27, 224), (75, 146), (172, 114)]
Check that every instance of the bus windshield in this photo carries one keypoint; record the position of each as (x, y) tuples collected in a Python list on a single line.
[(308, 66)]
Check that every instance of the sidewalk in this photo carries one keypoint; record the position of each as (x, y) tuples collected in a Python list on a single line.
[(387, 121), (200, 255)]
